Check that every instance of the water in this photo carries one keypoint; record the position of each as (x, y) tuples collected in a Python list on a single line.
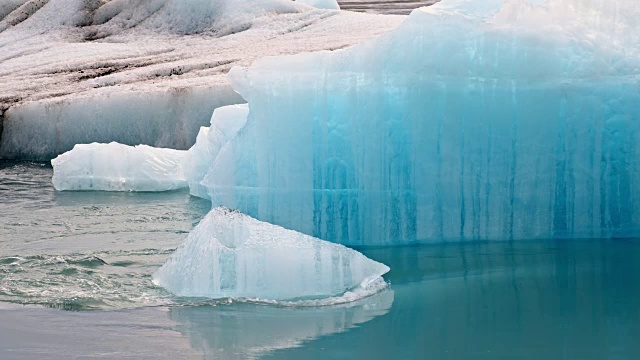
[(85, 250), (93, 253)]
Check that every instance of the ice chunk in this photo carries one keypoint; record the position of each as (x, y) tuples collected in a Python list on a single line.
[(322, 4), (117, 167), (232, 255), (225, 124)]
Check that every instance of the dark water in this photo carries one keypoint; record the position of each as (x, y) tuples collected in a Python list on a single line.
[(93, 253), (398, 7)]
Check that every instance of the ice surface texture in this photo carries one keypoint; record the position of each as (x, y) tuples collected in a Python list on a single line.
[(492, 120), (474, 120), (124, 70), (225, 124), (117, 167), (232, 255)]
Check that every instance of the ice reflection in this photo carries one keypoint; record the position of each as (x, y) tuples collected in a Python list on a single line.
[(249, 331), (507, 300)]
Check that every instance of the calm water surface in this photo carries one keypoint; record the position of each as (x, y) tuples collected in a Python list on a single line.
[(93, 253)]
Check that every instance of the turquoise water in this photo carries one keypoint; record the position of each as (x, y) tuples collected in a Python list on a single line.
[(93, 253)]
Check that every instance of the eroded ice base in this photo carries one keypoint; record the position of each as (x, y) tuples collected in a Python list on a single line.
[(233, 255)]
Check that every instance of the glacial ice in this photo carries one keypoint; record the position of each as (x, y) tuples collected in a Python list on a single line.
[(117, 167), (225, 124), (232, 255), (475, 120)]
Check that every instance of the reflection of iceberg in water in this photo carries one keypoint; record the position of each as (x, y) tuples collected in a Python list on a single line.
[(250, 330)]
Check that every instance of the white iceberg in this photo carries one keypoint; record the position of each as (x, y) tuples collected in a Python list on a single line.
[(232, 255), (225, 124), (117, 167)]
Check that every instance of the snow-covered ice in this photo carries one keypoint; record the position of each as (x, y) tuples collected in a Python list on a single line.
[(232, 255), (143, 71)]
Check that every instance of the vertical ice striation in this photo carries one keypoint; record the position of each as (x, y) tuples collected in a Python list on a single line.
[(473, 120), (232, 255)]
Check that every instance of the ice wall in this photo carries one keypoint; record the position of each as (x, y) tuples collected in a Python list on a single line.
[(232, 255), (474, 120), (170, 118)]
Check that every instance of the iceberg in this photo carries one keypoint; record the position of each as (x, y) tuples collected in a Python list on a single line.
[(232, 255), (474, 120), (117, 167)]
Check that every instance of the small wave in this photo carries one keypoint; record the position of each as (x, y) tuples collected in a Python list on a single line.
[(368, 288)]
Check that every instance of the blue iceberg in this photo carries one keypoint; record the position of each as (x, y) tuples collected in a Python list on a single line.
[(475, 120), (493, 120)]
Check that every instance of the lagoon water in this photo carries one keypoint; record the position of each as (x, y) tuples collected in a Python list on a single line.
[(75, 283)]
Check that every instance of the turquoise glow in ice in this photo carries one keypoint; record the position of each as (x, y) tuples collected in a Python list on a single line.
[(505, 121)]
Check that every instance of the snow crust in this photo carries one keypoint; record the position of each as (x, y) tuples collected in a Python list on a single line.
[(232, 255), (82, 71)]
